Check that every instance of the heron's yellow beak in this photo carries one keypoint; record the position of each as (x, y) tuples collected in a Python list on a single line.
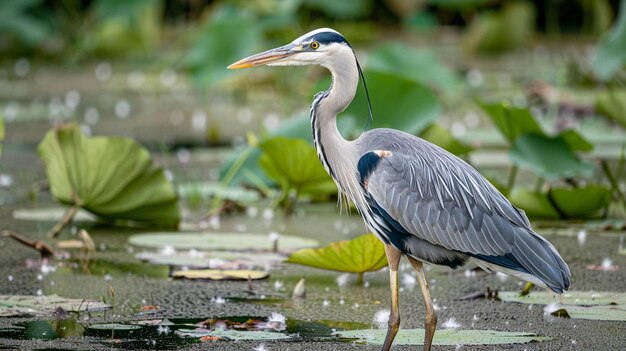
[(266, 57)]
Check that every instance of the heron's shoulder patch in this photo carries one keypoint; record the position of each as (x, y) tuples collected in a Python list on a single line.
[(368, 163)]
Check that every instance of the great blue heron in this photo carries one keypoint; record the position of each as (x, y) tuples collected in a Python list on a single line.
[(421, 201)]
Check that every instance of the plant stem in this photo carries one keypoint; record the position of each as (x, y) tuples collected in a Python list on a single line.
[(359, 278), (613, 181), (43, 248), (64, 222), (512, 177)]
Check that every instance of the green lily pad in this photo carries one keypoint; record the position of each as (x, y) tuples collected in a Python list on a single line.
[(511, 121), (442, 337), (365, 253), (50, 214), (609, 306), (234, 335), (17, 305), (221, 241), (441, 137), (612, 103), (550, 157), (610, 54), (111, 177), (294, 164), (582, 202), (115, 327), (420, 65)]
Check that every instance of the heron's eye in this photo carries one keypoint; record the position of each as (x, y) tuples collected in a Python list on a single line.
[(314, 45)]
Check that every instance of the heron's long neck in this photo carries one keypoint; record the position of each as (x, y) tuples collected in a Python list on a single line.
[(338, 155)]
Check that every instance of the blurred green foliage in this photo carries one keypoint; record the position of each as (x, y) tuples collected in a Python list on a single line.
[(610, 55)]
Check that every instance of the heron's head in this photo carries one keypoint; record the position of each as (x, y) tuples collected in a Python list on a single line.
[(319, 47)]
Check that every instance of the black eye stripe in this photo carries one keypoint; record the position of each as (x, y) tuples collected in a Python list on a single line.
[(328, 38)]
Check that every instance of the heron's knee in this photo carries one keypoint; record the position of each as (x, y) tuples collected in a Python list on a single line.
[(394, 321), (431, 317)]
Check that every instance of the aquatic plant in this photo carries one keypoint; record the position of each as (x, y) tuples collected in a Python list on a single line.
[(111, 177)]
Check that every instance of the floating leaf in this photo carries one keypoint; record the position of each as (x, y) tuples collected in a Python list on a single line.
[(234, 335), (581, 202), (612, 103), (111, 177), (294, 164), (610, 54), (51, 214), (440, 136), (550, 157), (211, 189), (218, 241), (442, 337), (362, 254), (115, 327), (596, 305), (221, 274), (215, 259), (418, 64), (17, 305)]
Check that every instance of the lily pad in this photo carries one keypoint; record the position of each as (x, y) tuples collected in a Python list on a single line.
[(294, 164), (511, 121), (365, 253), (420, 65), (442, 337), (115, 327), (111, 177), (610, 54), (51, 214), (221, 274), (221, 241), (609, 306), (234, 335), (550, 157), (200, 259), (17, 305), (211, 189), (584, 202)]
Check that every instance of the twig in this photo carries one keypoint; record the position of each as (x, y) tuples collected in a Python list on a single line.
[(64, 222), (43, 248)]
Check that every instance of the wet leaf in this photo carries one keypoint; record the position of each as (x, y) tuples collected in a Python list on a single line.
[(111, 177), (234, 335), (294, 164), (549, 157), (418, 64), (610, 54), (365, 253), (17, 305), (438, 135), (612, 103), (221, 274), (218, 241), (581, 202), (442, 337), (596, 305)]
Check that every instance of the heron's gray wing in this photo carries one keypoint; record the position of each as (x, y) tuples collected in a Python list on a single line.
[(440, 199)]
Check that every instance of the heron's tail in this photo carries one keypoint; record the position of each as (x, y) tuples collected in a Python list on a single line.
[(534, 259)]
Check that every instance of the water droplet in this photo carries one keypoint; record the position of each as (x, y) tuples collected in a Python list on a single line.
[(122, 109), (218, 300), (168, 250), (381, 317), (326, 303), (261, 347), (475, 78), (278, 285), (108, 277), (103, 71), (91, 115), (39, 292), (252, 211), (5, 180), (451, 323), (607, 263), (268, 213), (10, 278)]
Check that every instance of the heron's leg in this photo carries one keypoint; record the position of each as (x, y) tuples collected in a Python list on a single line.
[(393, 258), (431, 317)]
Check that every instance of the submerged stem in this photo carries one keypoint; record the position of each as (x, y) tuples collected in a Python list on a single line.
[(64, 222), (43, 248)]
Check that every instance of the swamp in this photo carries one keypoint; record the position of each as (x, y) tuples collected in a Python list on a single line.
[(152, 199)]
